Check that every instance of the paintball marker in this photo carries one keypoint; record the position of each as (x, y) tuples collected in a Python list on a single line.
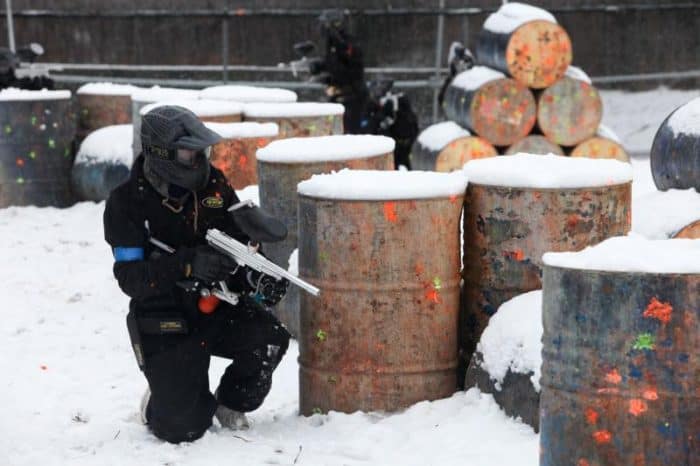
[(313, 66), (17, 69)]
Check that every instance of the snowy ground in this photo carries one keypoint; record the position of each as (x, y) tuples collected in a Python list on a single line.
[(71, 388)]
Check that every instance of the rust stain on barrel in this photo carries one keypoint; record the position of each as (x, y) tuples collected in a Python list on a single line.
[(97, 111), (308, 126), (506, 231), (389, 274), (237, 160), (690, 231), (620, 368)]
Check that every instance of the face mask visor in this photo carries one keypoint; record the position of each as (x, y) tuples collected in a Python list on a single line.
[(192, 157)]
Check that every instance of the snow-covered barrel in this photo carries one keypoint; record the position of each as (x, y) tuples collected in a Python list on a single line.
[(667, 214), (103, 162), (535, 144), (248, 94), (383, 333), (283, 164), (508, 358), (620, 354), (299, 119), (143, 97), (527, 43), (446, 146), (569, 111), (235, 154), (37, 129), (499, 109), (604, 145), (519, 206), (103, 104), (675, 152)]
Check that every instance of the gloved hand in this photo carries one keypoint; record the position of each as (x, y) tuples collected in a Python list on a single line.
[(267, 289), (209, 265)]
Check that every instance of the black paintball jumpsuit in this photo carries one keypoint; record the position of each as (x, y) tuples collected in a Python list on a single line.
[(177, 363)]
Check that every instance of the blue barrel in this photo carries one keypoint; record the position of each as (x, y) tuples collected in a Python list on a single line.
[(620, 371), (37, 129)]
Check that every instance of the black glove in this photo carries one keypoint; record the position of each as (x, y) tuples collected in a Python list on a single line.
[(267, 289), (209, 265)]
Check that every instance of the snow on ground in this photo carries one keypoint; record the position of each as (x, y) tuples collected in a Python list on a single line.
[(71, 388)]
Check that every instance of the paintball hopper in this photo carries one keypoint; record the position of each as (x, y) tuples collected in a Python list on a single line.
[(305, 48), (257, 224)]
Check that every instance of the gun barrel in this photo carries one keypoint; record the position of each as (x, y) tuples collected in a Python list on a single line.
[(244, 256)]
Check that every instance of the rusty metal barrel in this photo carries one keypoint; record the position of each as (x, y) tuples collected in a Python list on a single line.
[(675, 152), (103, 104), (283, 164), (535, 144), (384, 249), (298, 119), (143, 97), (248, 94), (36, 134), (690, 231), (235, 154), (604, 145), (446, 146), (620, 355), (527, 43), (570, 110), (498, 109), (103, 162), (518, 207)]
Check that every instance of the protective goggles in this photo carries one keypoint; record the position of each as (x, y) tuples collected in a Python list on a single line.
[(185, 157)]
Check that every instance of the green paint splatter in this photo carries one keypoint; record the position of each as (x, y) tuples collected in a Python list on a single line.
[(33, 120), (316, 411), (644, 341), (66, 152), (52, 144), (323, 255), (20, 180), (321, 335), (85, 111), (312, 128), (32, 155), (332, 379), (437, 283), (8, 129)]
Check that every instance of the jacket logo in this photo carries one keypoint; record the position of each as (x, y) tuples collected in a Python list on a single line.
[(213, 202)]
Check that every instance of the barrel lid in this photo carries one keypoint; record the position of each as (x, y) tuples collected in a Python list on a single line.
[(248, 129), (633, 253), (475, 77), (686, 119), (577, 73), (157, 93), (378, 185), (547, 171), (326, 148), (512, 15), (249, 94), (12, 93), (111, 144), (201, 107), (437, 136), (292, 109), (661, 214), (104, 88)]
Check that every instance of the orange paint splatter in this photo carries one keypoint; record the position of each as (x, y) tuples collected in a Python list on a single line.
[(613, 377), (390, 212), (242, 161), (453, 198), (650, 395), (572, 221), (517, 255), (432, 295), (659, 311), (419, 269), (637, 407), (20, 162), (591, 416), (602, 436), (583, 462)]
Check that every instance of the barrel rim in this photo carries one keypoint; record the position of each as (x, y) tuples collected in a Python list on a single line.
[(582, 188), (596, 272), (408, 199)]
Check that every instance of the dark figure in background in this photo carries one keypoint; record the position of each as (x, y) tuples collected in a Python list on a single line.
[(342, 70), (390, 114), (174, 195), (29, 76), (459, 59)]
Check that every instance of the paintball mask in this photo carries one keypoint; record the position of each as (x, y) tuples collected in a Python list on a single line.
[(176, 147), (333, 21)]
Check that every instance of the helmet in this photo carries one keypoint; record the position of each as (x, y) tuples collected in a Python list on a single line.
[(333, 20), (175, 144)]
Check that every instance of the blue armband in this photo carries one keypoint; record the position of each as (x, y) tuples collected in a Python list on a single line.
[(128, 254)]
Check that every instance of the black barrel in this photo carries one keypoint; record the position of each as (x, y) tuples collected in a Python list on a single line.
[(675, 152), (37, 130)]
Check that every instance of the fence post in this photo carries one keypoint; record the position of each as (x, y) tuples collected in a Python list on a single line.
[(438, 57), (224, 46)]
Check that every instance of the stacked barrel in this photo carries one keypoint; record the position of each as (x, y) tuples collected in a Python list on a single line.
[(523, 96)]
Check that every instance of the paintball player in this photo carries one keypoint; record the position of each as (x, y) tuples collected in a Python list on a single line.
[(459, 59), (173, 197), (342, 70)]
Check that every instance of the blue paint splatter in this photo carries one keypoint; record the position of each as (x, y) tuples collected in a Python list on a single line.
[(635, 372), (683, 357)]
